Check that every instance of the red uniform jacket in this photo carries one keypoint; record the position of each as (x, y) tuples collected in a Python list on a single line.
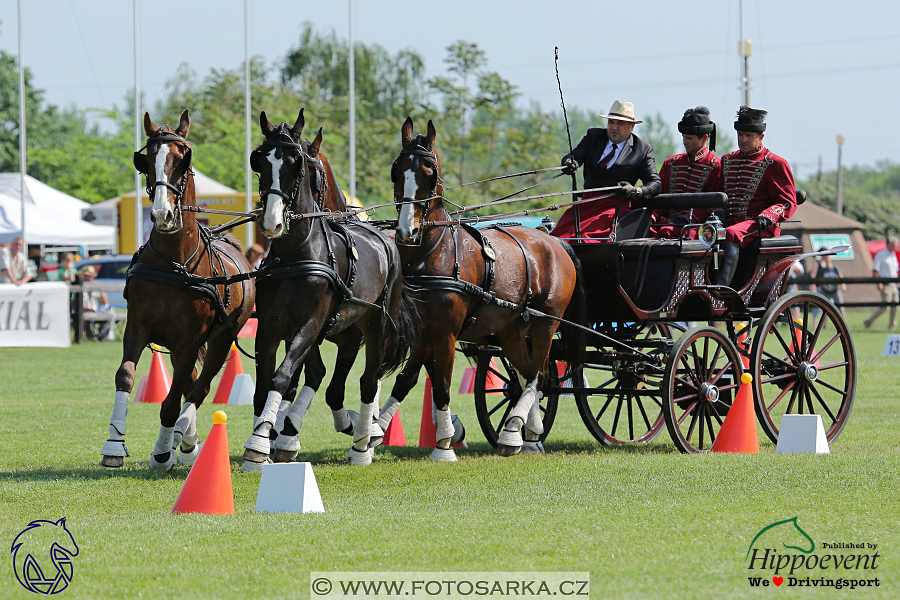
[(681, 175), (759, 185)]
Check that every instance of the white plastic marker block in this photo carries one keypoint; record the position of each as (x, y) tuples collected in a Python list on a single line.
[(288, 487), (142, 386), (891, 346), (800, 434), (241, 390)]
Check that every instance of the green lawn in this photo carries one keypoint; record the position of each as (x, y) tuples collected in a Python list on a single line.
[(646, 522)]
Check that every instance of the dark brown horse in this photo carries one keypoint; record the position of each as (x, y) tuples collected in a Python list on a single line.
[(178, 298), (477, 283), (330, 276)]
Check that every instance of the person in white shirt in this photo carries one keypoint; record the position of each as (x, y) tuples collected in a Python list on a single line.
[(14, 263), (886, 266)]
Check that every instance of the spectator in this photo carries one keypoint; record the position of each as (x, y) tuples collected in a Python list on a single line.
[(826, 270), (14, 263), (67, 268), (94, 302), (885, 266), (255, 255)]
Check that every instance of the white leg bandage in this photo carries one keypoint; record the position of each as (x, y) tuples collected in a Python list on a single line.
[(186, 427), (345, 420), (300, 406), (282, 413), (387, 413), (361, 431), (444, 428), (533, 425), (523, 406), (165, 441), (115, 444), (259, 439), (270, 411)]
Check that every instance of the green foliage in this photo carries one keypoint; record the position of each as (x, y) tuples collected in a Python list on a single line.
[(657, 132)]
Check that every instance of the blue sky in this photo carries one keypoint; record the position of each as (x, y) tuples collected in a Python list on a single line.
[(821, 68)]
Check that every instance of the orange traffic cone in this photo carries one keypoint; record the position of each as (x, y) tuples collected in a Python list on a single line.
[(738, 432), (493, 380), (233, 368), (158, 382), (427, 430), (207, 489), (394, 435)]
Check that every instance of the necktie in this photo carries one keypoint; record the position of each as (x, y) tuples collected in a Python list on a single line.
[(604, 162)]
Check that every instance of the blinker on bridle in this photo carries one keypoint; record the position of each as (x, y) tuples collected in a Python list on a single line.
[(416, 150), (188, 171)]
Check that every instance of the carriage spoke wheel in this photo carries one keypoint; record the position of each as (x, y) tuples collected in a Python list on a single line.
[(497, 389), (702, 374), (803, 362), (625, 404)]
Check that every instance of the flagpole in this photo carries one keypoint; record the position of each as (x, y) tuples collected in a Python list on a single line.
[(248, 198), (352, 93), (138, 208), (22, 121)]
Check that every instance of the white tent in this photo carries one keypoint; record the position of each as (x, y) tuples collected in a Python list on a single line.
[(51, 217)]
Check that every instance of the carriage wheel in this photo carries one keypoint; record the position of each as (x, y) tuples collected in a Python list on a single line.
[(611, 414), (493, 396), (807, 368), (702, 373)]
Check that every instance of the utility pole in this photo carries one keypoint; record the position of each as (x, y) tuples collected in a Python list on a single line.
[(248, 180), (819, 174), (839, 197), (352, 93), (745, 51), (138, 206)]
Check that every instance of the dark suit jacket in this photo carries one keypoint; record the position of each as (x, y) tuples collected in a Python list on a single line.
[(635, 162)]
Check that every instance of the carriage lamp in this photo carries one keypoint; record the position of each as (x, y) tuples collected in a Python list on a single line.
[(711, 232)]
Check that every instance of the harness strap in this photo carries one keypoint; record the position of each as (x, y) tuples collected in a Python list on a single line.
[(526, 303)]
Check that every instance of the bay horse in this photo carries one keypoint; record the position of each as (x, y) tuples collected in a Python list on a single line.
[(508, 280), (187, 291), (330, 276)]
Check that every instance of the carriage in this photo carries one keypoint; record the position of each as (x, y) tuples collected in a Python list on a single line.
[(668, 348)]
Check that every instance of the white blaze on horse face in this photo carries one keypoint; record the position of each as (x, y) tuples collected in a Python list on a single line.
[(273, 219), (406, 220), (161, 205)]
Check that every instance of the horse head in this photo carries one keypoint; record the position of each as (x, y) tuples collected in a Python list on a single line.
[(41, 544), (417, 182), (783, 532), (167, 166), (283, 161)]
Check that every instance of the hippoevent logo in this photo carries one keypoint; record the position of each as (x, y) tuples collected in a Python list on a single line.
[(42, 556), (782, 553)]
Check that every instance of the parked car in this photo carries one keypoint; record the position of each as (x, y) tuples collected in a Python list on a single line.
[(110, 267)]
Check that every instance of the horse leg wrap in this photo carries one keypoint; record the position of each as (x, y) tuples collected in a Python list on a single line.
[(445, 430), (282, 413), (115, 445), (387, 413), (186, 437), (259, 439), (294, 413), (459, 432), (300, 406), (511, 436), (534, 426), (376, 433), (345, 420), (164, 448), (362, 431)]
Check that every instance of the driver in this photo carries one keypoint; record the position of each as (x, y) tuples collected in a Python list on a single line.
[(611, 157), (760, 188)]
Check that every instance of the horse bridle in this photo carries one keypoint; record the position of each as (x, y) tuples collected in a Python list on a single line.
[(416, 150), (320, 182), (178, 190)]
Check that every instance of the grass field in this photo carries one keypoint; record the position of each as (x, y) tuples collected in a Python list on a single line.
[(646, 522)]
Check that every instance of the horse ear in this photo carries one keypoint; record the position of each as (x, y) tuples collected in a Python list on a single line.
[(267, 128), (432, 133), (184, 124), (406, 132), (149, 127), (298, 126), (316, 144)]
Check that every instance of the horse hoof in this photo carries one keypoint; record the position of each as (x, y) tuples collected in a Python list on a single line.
[(254, 456), (357, 458), (163, 462), (532, 448), (443, 455), (189, 457), (284, 456), (503, 450), (510, 438), (113, 462), (251, 466)]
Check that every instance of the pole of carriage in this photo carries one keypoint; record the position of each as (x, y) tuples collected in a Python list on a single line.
[(576, 213)]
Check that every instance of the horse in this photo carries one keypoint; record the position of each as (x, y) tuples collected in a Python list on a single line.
[(187, 291), (323, 277), (511, 281)]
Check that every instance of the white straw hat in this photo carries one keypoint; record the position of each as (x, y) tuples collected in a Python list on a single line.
[(622, 111)]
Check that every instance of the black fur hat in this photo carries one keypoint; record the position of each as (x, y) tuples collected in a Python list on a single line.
[(750, 119), (696, 122)]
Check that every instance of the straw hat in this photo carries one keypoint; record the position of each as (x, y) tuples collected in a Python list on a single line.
[(622, 111), (88, 270)]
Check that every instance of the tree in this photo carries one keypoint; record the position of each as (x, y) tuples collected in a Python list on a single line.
[(657, 133)]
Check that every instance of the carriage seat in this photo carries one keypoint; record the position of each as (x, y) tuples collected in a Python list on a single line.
[(781, 241), (649, 268)]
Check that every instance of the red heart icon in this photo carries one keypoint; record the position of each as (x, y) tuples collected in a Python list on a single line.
[(778, 580)]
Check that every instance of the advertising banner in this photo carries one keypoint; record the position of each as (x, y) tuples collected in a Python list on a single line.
[(34, 314)]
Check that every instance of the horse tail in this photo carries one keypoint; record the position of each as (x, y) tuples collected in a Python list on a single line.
[(405, 334), (576, 312)]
